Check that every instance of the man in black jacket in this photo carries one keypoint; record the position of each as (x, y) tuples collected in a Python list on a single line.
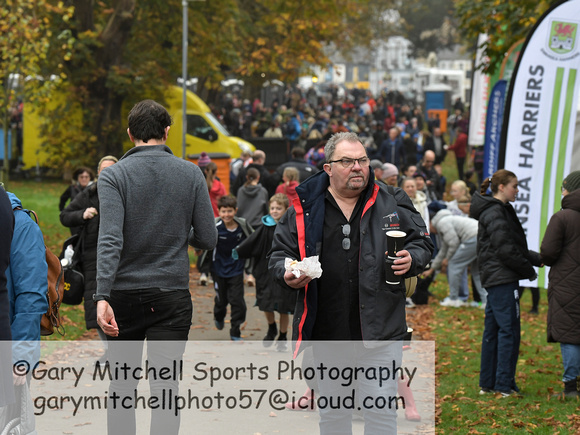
[(437, 144), (343, 216), (304, 168)]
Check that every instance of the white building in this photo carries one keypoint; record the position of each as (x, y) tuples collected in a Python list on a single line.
[(458, 60), (389, 66)]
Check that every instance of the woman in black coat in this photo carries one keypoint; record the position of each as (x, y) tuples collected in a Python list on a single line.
[(81, 178), (83, 212), (504, 259), (560, 250)]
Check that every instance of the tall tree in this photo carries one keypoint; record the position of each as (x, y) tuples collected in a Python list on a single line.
[(26, 33), (127, 50), (102, 39), (428, 24), (266, 39), (505, 22)]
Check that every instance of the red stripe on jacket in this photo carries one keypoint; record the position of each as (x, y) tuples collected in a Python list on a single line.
[(300, 229)]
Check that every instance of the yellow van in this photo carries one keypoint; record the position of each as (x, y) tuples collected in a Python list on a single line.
[(204, 131)]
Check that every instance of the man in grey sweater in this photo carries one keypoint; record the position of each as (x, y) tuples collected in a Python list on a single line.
[(151, 205)]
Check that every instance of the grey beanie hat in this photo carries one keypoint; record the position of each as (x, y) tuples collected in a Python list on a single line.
[(572, 181)]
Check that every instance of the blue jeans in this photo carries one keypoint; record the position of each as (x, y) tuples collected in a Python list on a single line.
[(463, 292), (571, 360), (368, 394), (500, 345), (465, 256)]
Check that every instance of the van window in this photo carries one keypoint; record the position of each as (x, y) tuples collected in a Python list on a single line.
[(198, 127), (217, 125)]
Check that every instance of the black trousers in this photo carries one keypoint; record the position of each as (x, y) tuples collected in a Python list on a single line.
[(163, 317), (460, 165), (230, 291)]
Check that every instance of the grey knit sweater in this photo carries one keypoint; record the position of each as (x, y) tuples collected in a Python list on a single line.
[(149, 202)]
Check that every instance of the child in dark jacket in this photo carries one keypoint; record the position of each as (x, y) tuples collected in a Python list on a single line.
[(227, 271), (270, 296)]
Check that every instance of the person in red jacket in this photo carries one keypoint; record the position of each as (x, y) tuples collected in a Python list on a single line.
[(291, 178), (215, 186), (459, 147)]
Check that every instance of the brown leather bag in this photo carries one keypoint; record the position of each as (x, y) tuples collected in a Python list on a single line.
[(51, 321)]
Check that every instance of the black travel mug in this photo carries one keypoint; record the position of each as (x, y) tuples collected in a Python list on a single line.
[(395, 243)]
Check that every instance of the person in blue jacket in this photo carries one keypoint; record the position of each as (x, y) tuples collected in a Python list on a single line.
[(27, 286)]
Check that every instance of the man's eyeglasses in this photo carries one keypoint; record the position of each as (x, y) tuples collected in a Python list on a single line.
[(349, 163), (346, 234)]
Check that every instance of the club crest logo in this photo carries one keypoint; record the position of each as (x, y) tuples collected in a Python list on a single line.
[(562, 37)]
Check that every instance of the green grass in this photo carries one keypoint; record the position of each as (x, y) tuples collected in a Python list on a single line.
[(43, 197), (462, 410), (458, 333)]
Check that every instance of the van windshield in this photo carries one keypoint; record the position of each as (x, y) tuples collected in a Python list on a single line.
[(218, 125)]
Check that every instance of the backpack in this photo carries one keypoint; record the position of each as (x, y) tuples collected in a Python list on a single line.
[(51, 321)]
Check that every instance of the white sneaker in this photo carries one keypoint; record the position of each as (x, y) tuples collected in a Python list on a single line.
[(203, 279), (409, 303), (454, 303), (474, 304)]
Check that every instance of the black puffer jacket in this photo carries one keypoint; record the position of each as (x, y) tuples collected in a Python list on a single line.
[(72, 216), (561, 250), (502, 248)]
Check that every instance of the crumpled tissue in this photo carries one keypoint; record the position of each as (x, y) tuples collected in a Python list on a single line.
[(310, 266)]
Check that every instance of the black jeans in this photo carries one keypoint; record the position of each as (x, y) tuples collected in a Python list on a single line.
[(163, 317), (460, 165), (230, 291)]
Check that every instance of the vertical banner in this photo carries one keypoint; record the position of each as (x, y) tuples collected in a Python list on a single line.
[(540, 122), (479, 93), (493, 128), (509, 62)]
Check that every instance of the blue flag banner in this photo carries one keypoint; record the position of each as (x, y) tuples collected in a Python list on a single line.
[(493, 128)]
